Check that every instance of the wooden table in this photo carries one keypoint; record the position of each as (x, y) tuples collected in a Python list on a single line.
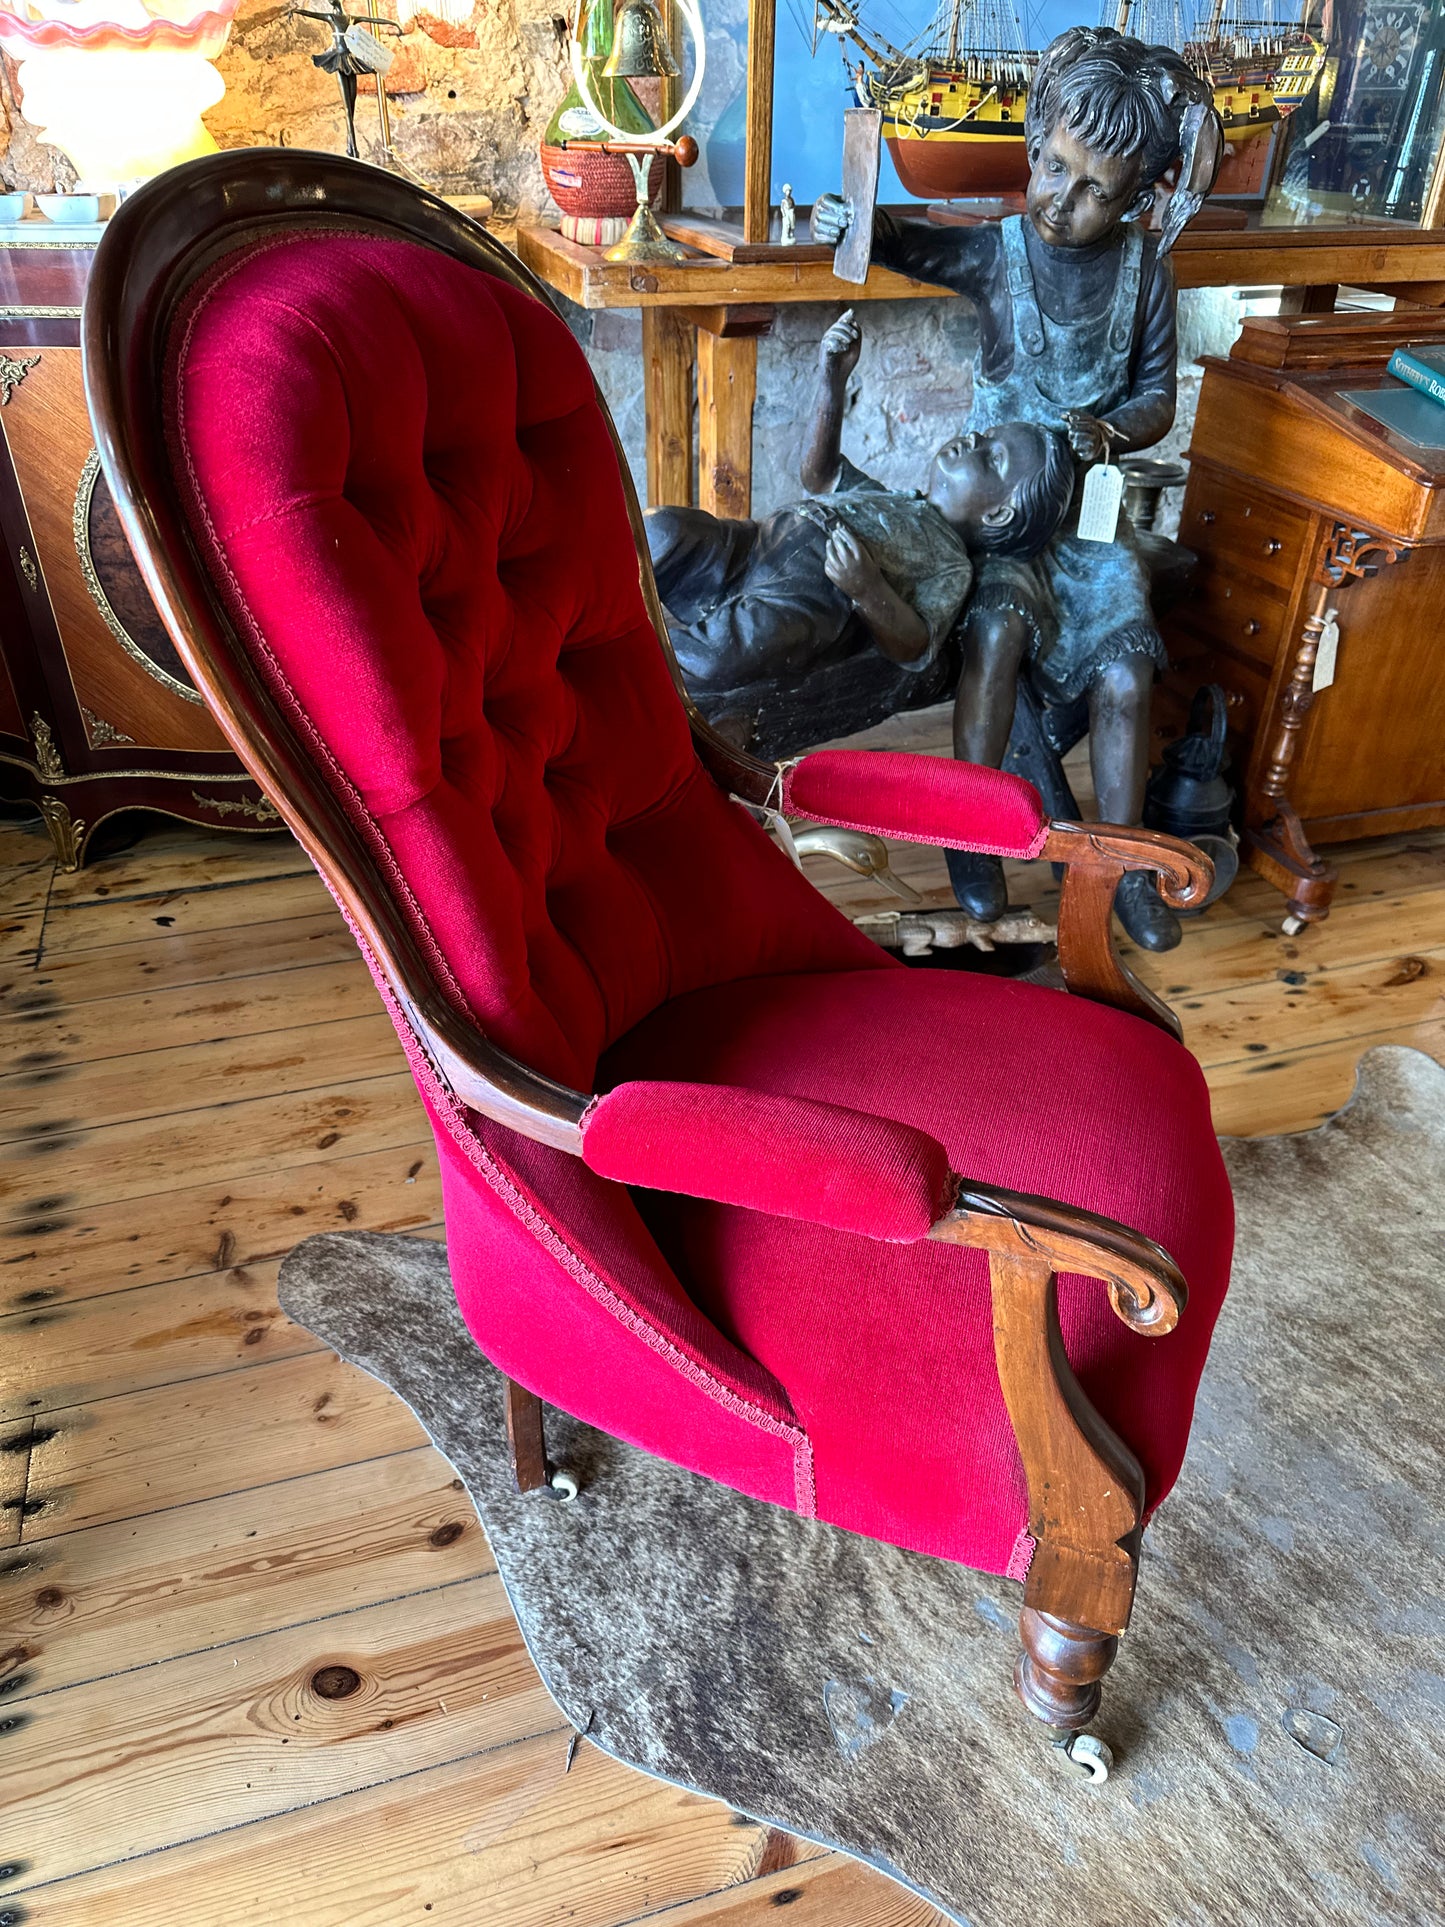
[(706, 314)]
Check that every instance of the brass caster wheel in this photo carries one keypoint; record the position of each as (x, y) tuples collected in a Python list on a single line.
[(1292, 926), (562, 1487), (1087, 1754)]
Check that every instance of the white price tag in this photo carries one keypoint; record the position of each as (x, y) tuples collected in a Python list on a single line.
[(1099, 504), (1326, 653), (368, 52)]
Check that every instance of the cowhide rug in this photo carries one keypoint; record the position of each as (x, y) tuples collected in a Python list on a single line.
[(1277, 1710)]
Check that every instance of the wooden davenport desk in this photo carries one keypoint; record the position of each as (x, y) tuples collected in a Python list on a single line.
[(97, 714), (1319, 605)]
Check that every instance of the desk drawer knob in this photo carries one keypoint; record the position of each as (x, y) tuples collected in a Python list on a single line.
[(1251, 628), (1206, 516), (1273, 545)]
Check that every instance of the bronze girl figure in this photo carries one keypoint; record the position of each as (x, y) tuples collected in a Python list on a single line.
[(1076, 307)]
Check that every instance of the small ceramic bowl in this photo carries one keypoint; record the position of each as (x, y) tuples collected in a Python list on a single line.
[(12, 208), (66, 208)]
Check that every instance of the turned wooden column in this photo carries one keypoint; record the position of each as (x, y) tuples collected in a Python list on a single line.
[(1275, 840)]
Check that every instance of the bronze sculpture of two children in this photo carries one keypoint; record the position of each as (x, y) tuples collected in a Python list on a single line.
[(1076, 365)]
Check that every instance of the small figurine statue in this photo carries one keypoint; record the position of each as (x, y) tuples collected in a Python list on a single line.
[(1076, 308), (353, 51), (855, 567), (787, 217)]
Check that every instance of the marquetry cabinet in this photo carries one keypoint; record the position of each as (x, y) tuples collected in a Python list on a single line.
[(97, 714), (1319, 602)]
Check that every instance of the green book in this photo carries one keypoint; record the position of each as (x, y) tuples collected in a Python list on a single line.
[(1423, 366)]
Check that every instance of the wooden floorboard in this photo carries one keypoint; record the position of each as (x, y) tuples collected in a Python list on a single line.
[(79, 1248), (110, 1598), (69, 1164), (149, 1335), (200, 1507), (141, 1760), (511, 1837), (140, 1452)]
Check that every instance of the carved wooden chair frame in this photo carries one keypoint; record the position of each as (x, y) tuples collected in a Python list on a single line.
[(1085, 1485)]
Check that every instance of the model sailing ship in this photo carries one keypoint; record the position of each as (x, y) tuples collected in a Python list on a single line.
[(953, 103)]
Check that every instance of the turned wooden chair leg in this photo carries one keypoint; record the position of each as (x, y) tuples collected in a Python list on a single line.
[(1060, 1668), (525, 1439), (1086, 1500)]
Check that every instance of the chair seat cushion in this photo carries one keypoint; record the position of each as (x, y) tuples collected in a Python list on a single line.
[(886, 1350)]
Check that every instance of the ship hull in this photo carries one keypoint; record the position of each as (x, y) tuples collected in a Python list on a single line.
[(954, 135), (945, 167)]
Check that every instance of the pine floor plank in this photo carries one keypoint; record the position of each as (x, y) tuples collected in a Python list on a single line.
[(121, 1457), (78, 1248), (173, 857), (130, 1764), (44, 1043), (75, 1168), (24, 840), (15, 1448), (132, 1340), (828, 1891), (512, 1838), (1223, 954), (192, 1077), (1297, 1091), (1322, 1007), (114, 1597), (183, 913), (168, 962)]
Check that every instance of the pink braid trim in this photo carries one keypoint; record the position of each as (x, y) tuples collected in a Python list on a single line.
[(1021, 1558), (526, 1211)]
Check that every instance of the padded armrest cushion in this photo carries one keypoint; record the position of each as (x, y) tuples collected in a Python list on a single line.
[(793, 1157), (919, 799)]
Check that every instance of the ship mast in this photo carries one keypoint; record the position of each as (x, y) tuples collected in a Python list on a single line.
[(835, 16), (953, 26)]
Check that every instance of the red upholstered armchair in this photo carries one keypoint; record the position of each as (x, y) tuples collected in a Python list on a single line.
[(901, 1250)]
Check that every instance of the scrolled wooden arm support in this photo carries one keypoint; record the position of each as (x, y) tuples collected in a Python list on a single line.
[(1086, 1488), (1146, 1288), (1095, 856)]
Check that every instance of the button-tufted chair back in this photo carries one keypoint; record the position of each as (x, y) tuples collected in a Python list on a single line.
[(397, 467)]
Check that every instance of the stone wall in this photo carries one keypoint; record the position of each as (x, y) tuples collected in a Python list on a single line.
[(469, 104)]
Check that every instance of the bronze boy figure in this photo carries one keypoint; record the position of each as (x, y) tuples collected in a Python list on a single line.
[(1077, 331)]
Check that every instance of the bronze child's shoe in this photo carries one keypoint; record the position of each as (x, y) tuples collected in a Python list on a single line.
[(978, 884)]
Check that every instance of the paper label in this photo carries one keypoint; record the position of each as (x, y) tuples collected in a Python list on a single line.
[(367, 51), (1326, 653), (783, 831), (1099, 505)]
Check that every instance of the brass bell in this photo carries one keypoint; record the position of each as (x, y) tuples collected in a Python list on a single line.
[(639, 46)]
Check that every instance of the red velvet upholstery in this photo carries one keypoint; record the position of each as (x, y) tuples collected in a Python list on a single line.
[(887, 1349), (922, 799), (790, 1156), (428, 541), (412, 506)]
